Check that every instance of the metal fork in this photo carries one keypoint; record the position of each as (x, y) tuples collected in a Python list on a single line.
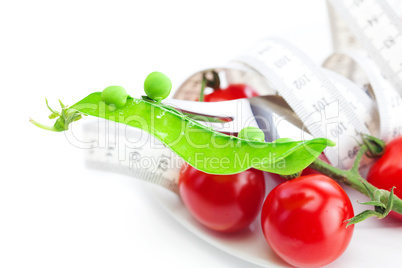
[(270, 113)]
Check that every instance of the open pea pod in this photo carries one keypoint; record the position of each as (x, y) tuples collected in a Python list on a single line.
[(200, 146)]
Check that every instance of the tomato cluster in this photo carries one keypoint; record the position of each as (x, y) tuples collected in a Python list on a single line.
[(387, 171), (303, 220)]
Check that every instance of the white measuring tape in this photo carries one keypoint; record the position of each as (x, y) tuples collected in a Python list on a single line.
[(388, 100), (379, 30), (311, 93), (329, 105), (126, 150)]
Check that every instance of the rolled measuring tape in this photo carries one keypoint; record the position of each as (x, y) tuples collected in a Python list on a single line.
[(330, 105), (378, 29), (388, 100), (315, 96)]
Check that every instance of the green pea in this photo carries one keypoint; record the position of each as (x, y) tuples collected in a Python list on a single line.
[(252, 134), (157, 86), (116, 95), (283, 140)]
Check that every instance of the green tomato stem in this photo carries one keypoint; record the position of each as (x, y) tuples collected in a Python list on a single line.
[(353, 179), (359, 155), (203, 84), (215, 83)]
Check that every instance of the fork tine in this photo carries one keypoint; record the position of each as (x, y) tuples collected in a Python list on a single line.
[(264, 112), (208, 109), (234, 114)]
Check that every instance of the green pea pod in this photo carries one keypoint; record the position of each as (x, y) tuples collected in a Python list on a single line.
[(200, 146)]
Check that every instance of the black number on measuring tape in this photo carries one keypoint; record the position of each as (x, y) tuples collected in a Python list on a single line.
[(264, 51), (353, 152), (338, 130), (320, 105), (164, 163), (389, 42), (396, 102), (282, 62), (397, 131), (372, 21), (301, 82), (110, 150), (92, 147)]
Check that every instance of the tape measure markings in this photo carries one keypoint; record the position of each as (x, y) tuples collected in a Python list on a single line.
[(379, 30), (304, 85), (156, 165), (359, 101), (388, 99)]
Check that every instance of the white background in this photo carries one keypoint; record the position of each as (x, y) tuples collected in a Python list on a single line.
[(53, 211)]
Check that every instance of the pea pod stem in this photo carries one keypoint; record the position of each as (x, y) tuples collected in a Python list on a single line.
[(50, 128), (353, 179)]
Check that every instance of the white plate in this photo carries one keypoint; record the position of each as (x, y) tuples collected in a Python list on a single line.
[(374, 242)]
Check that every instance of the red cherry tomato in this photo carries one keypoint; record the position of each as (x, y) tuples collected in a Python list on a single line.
[(387, 171), (232, 92), (303, 220), (225, 203)]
